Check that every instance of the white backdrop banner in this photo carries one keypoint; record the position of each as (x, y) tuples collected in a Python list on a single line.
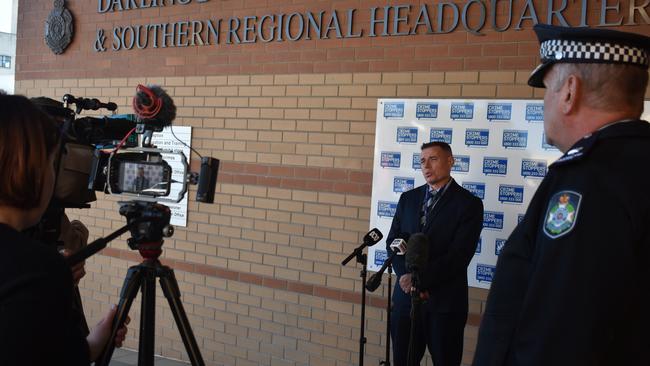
[(500, 153)]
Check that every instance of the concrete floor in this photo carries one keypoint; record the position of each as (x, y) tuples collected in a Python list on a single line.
[(127, 357)]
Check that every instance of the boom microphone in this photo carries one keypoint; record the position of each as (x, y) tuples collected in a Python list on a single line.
[(153, 106), (399, 247), (87, 103), (371, 238), (417, 254)]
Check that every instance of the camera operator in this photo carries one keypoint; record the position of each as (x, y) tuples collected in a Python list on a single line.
[(55, 227), (34, 331)]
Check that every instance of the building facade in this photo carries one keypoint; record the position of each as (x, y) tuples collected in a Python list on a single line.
[(285, 94), (7, 61)]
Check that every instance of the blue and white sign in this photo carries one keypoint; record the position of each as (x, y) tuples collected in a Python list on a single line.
[(461, 164), (403, 184), (441, 135), (477, 137), (426, 111), (535, 112), (386, 208), (390, 159), (498, 245), (476, 188), (531, 168), (485, 272), (499, 111), (462, 111), (498, 154), (493, 220), (495, 166), (416, 162), (380, 257), (515, 139), (394, 110), (407, 135), (511, 193)]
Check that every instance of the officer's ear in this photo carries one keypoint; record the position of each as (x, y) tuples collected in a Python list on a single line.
[(570, 94)]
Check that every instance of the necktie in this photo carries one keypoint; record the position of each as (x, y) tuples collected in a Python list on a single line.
[(428, 203)]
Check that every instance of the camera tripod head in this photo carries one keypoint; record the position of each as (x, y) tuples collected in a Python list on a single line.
[(150, 224)]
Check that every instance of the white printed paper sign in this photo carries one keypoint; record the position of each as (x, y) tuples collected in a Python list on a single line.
[(166, 141)]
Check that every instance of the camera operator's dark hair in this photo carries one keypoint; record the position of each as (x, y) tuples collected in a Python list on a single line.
[(441, 144), (27, 139)]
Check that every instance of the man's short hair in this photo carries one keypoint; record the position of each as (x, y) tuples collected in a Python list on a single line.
[(28, 137), (607, 86), (441, 144)]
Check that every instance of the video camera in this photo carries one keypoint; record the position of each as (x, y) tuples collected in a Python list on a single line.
[(115, 154)]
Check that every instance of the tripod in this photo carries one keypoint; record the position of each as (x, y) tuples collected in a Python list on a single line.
[(149, 222)]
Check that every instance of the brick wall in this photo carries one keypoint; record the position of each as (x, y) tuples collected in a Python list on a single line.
[(261, 268), (293, 124), (455, 51)]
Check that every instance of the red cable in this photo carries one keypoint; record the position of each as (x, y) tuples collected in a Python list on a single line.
[(146, 111), (123, 140)]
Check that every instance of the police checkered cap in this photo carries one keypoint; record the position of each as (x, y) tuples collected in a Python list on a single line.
[(575, 51), (587, 45)]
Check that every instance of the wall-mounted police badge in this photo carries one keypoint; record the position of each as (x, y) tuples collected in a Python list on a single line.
[(562, 213), (58, 28)]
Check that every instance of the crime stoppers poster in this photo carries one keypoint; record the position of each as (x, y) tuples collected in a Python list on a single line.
[(501, 157)]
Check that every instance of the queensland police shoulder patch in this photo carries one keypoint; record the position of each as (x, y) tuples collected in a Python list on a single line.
[(562, 213)]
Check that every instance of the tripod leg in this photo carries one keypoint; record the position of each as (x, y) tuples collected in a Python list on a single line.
[(173, 295), (147, 316), (128, 293)]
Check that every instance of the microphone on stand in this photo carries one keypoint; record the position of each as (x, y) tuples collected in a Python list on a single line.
[(374, 281), (370, 239), (417, 254)]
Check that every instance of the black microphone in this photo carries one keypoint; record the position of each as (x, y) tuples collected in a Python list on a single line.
[(399, 245), (375, 280), (87, 103), (371, 238), (154, 106), (417, 255), (95, 104)]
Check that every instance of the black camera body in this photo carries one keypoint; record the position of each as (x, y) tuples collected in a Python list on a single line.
[(135, 169)]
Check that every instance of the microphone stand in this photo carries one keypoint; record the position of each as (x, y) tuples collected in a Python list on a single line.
[(415, 310), (388, 311), (370, 239), (372, 284), (363, 260)]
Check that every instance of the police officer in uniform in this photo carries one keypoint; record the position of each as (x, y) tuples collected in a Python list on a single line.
[(572, 284)]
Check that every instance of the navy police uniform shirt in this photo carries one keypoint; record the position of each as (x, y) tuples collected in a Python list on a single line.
[(572, 284)]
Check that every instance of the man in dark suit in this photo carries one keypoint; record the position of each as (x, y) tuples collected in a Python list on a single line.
[(141, 182), (451, 218)]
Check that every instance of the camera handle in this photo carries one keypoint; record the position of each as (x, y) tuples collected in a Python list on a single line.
[(99, 244)]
